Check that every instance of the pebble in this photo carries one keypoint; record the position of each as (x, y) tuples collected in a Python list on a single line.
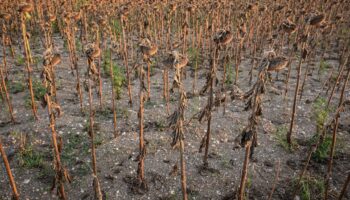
[(26, 181)]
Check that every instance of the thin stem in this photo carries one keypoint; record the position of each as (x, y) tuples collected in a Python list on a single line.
[(58, 165), (125, 54), (98, 194), (334, 137), (210, 104), (183, 167), (9, 173), (113, 96), (8, 99), (275, 180), (347, 181), (289, 134), (244, 171), (142, 151), (28, 68)]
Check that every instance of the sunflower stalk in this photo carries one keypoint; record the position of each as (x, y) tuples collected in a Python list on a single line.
[(9, 173), (92, 52), (54, 111)]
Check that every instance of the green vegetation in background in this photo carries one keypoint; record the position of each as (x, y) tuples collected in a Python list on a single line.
[(310, 188), (193, 56), (39, 92), (324, 65), (320, 112), (116, 27), (281, 139), (80, 3), (54, 26), (30, 159), (19, 60), (321, 154), (119, 74), (15, 87), (229, 74)]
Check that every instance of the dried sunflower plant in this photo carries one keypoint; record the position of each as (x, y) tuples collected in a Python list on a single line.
[(54, 110), (92, 52), (176, 120)]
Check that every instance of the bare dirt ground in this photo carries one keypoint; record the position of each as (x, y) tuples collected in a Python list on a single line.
[(117, 158)]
